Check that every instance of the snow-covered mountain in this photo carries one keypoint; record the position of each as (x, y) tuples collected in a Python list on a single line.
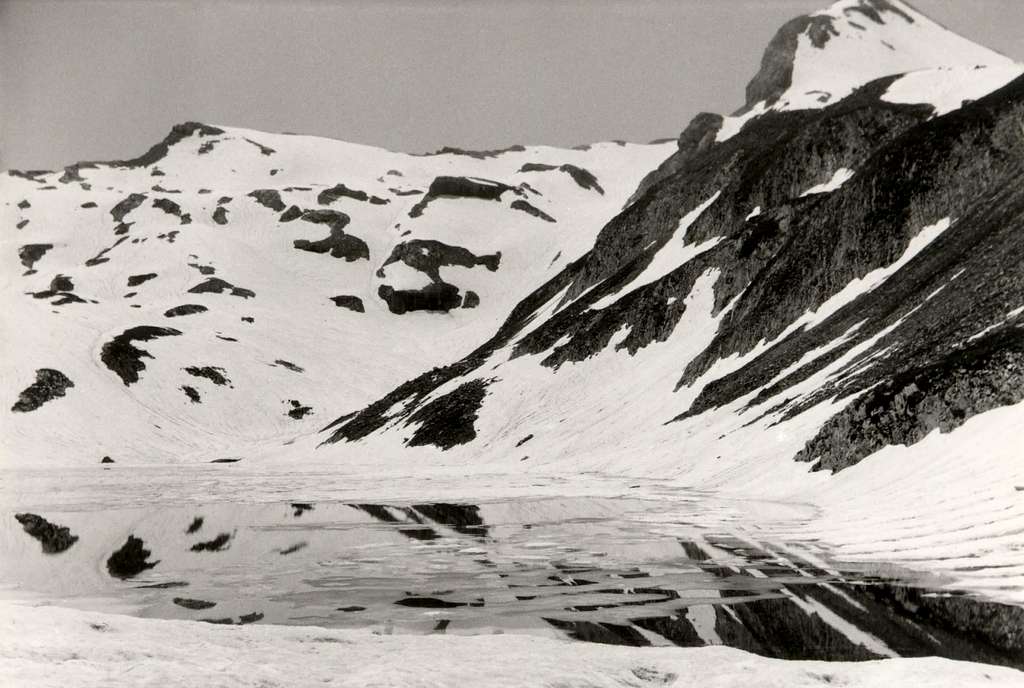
[(813, 287), (229, 287), (818, 300)]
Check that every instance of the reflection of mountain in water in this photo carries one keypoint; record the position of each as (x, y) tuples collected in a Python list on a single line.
[(616, 571)]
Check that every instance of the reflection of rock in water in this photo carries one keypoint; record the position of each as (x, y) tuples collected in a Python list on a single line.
[(54, 538), (464, 518), (130, 560)]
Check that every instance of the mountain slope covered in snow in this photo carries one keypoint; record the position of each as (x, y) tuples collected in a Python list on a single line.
[(826, 283), (815, 305), (226, 289)]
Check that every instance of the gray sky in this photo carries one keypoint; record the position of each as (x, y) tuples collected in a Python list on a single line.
[(103, 79)]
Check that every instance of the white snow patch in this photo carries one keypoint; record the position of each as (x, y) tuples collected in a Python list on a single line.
[(841, 176)]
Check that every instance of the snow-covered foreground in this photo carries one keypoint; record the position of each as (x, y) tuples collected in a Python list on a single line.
[(47, 646)]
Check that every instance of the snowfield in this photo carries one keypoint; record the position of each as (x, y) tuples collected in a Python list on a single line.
[(47, 646)]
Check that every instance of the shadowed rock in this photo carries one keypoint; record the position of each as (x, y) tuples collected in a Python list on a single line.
[(328, 196), (268, 198), (441, 297), (172, 208), (53, 538), (216, 285), (338, 244), (220, 215), (530, 209), (136, 280), (293, 213), (212, 373), (121, 210), (186, 309), (428, 256), (29, 254), (50, 384), (460, 187), (353, 303), (298, 411), (192, 394), (125, 359), (584, 178), (448, 420)]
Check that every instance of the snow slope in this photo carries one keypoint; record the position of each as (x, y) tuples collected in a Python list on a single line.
[(58, 647), (282, 346)]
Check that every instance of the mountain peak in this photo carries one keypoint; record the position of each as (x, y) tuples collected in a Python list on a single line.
[(819, 58)]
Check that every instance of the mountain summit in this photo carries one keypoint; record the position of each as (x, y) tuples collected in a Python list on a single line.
[(820, 58)]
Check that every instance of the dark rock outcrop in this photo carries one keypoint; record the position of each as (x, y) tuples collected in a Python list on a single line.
[(29, 254), (53, 538), (136, 280), (338, 244), (353, 303), (216, 285), (530, 209), (50, 384), (448, 420), (441, 297), (125, 359), (461, 187), (185, 309), (428, 255), (121, 210), (211, 373), (328, 196), (268, 198)]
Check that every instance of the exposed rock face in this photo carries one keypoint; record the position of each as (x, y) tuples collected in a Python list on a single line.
[(220, 215), (448, 420), (125, 359), (439, 296), (212, 373), (698, 137), (427, 256), (53, 538), (353, 303), (778, 253), (982, 375), (460, 187), (268, 198), (479, 155), (186, 309), (583, 177), (136, 280), (530, 209), (50, 384), (338, 244), (215, 285), (29, 254), (121, 210), (328, 196), (172, 208)]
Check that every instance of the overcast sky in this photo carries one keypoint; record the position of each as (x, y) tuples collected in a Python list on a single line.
[(105, 79)]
